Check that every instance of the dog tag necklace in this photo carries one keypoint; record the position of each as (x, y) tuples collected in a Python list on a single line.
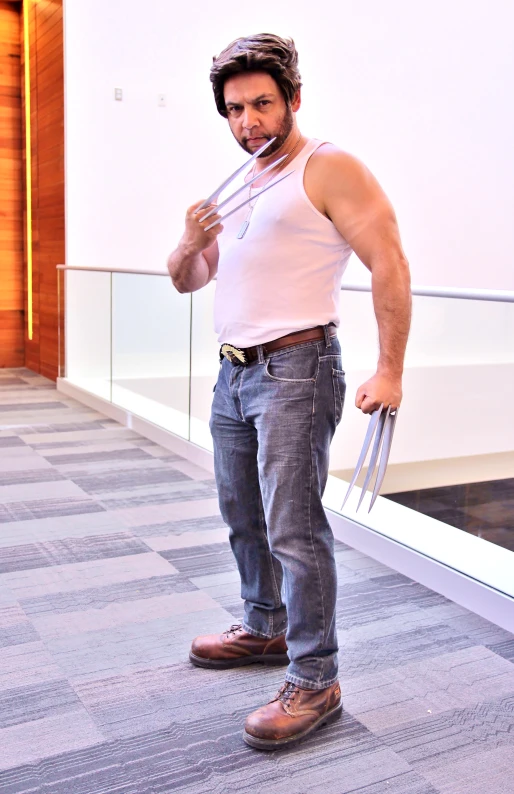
[(242, 231)]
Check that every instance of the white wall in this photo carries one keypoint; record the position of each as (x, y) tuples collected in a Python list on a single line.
[(422, 93)]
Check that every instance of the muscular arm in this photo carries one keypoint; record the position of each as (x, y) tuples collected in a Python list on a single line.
[(361, 212), (190, 270), (195, 260)]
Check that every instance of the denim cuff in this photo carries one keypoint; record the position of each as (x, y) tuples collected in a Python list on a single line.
[(255, 633), (304, 684)]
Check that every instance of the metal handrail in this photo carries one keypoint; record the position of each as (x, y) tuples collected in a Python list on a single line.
[(500, 296), (116, 270)]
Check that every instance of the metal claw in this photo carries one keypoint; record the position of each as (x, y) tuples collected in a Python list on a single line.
[(384, 458), (383, 423), (243, 187), (375, 416), (264, 189), (374, 453), (236, 173)]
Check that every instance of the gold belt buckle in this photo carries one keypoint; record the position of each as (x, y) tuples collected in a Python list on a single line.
[(234, 354)]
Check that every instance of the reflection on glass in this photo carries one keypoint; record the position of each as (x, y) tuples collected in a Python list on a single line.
[(88, 331), (151, 349), (453, 451), (485, 509)]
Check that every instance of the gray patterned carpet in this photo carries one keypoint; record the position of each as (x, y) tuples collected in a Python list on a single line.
[(113, 557)]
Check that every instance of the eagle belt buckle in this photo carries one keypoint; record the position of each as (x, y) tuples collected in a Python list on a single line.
[(234, 354)]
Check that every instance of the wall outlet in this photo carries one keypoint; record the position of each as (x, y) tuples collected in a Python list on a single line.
[(161, 100), (118, 94)]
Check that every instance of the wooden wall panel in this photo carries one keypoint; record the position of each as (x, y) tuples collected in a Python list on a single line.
[(47, 124), (32, 345), (11, 190), (50, 83)]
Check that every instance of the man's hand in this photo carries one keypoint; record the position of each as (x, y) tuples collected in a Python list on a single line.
[(195, 239), (378, 390), (195, 260)]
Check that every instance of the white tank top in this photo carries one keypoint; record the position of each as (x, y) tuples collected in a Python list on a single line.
[(285, 274)]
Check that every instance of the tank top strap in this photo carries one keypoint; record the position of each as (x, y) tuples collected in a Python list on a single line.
[(301, 159)]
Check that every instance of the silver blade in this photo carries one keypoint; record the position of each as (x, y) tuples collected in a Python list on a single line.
[(374, 454), (264, 189), (240, 190), (375, 416), (386, 449), (222, 187)]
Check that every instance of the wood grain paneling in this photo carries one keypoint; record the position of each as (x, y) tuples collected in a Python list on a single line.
[(11, 190), (47, 150)]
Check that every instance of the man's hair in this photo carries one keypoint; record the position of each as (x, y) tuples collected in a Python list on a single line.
[(263, 52)]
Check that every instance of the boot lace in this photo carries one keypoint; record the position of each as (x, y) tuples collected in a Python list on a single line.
[(287, 693), (234, 629)]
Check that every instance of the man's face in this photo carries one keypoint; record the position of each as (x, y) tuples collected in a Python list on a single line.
[(258, 112)]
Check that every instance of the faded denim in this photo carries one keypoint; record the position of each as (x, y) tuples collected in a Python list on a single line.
[(272, 423)]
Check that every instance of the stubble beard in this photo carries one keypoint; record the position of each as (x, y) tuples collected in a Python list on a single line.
[(281, 136)]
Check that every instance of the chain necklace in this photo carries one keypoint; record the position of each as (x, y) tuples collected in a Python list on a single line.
[(242, 231)]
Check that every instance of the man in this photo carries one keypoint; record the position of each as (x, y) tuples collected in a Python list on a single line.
[(279, 396)]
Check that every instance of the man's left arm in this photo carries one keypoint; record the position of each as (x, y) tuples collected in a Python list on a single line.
[(362, 213)]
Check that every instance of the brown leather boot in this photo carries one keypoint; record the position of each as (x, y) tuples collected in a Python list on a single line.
[(291, 716), (235, 648)]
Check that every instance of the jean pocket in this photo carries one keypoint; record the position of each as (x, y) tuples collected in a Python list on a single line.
[(339, 385), (298, 365), (335, 361)]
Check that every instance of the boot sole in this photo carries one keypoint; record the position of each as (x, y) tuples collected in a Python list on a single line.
[(274, 659), (290, 741)]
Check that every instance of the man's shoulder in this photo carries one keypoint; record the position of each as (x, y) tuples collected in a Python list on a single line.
[(327, 155), (333, 166)]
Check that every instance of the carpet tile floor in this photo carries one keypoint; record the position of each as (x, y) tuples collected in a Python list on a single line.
[(113, 556)]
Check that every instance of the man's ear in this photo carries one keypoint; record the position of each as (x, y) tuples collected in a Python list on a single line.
[(297, 101)]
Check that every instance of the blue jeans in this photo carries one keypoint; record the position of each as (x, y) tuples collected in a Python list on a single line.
[(272, 423)]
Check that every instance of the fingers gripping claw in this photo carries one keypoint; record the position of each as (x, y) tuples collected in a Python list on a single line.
[(381, 427)]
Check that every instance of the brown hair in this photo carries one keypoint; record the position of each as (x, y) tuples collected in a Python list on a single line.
[(263, 52)]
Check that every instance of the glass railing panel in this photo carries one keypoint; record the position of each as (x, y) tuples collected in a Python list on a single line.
[(453, 453), (151, 350), (204, 365), (88, 331), (133, 339)]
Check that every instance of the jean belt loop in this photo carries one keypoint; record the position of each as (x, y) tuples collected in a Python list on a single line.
[(260, 353), (328, 340)]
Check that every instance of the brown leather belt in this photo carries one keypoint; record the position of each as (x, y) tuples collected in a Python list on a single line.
[(237, 355)]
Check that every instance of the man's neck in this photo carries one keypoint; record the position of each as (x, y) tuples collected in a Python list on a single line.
[(291, 146)]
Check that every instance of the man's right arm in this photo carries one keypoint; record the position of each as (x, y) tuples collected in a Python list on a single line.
[(195, 260)]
